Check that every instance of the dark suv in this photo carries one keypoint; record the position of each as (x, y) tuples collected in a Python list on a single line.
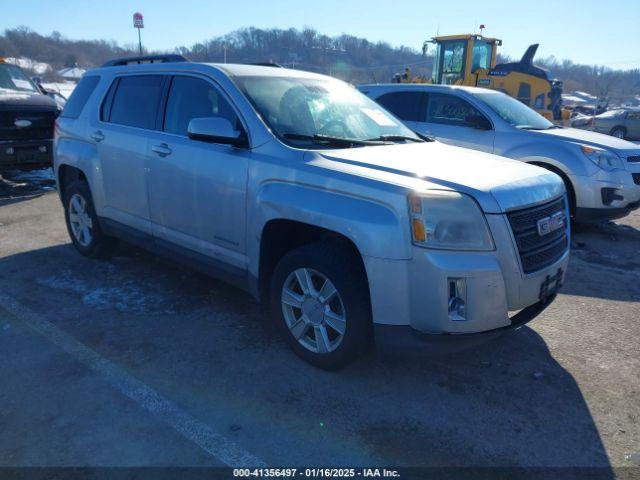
[(27, 119)]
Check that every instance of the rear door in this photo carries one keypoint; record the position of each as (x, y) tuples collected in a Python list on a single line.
[(129, 113), (446, 120), (197, 190)]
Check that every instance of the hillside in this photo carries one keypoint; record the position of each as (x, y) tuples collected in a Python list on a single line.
[(346, 56)]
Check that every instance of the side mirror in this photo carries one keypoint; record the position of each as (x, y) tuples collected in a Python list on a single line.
[(477, 121), (216, 130)]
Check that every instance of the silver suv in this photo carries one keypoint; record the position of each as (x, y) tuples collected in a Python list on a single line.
[(601, 173), (301, 190)]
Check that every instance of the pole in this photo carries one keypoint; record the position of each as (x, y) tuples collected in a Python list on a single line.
[(139, 42)]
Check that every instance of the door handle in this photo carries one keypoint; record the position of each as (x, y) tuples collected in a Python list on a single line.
[(97, 136), (163, 149)]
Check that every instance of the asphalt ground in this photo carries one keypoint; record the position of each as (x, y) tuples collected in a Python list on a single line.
[(137, 362)]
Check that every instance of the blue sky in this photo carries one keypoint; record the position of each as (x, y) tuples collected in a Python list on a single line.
[(587, 31)]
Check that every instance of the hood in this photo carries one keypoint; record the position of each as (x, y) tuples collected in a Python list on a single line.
[(25, 99), (600, 140), (498, 184)]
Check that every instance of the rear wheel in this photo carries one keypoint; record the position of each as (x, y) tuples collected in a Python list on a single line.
[(320, 302), (82, 222), (619, 132)]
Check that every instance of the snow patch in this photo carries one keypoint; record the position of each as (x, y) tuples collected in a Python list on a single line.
[(39, 68), (127, 296)]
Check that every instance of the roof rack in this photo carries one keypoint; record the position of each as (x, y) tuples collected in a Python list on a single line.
[(145, 59), (266, 64)]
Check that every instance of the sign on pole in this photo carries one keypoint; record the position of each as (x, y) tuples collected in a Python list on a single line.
[(138, 22)]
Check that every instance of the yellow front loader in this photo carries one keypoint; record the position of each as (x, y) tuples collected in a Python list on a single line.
[(471, 60)]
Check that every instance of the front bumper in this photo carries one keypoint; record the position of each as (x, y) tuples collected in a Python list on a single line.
[(405, 337), (415, 293), (26, 153), (624, 194)]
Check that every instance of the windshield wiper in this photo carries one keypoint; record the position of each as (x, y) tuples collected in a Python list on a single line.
[(329, 140), (396, 138)]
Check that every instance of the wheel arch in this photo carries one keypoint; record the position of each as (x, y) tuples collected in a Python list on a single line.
[(571, 192), (66, 175), (280, 236)]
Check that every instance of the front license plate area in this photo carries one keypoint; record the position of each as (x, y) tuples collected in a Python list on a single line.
[(550, 285), (27, 156)]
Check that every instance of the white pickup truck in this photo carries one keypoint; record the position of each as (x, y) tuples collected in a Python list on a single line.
[(309, 195)]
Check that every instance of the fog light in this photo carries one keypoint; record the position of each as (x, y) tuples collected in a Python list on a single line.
[(457, 299), (9, 151), (609, 195), (42, 149)]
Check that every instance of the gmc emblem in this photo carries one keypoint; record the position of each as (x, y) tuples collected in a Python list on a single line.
[(550, 224)]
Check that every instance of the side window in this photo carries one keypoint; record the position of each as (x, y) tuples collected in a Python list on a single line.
[(633, 116), (105, 109), (136, 101), (407, 106), (450, 110), (524, 93), (79, 97), (191, 97)]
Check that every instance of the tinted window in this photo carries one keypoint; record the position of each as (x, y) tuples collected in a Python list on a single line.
[(136, 101), (449, 110), (79, 97), (407, 106), (105, 110), (524, 93), (194, 98)]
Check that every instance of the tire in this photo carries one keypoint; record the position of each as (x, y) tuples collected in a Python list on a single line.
[(331, 349), (79, 212), (619, 132)]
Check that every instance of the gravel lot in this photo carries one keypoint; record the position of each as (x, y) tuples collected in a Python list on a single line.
[(138, 362)]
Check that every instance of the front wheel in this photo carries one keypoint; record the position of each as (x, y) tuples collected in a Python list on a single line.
[(618, 132), (320, 302)]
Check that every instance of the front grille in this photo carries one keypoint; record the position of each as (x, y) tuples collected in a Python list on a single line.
[(636, 178), (536, 251), (633, 159), (42, 124)]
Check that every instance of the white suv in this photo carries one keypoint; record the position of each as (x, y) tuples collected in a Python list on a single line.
[(301, 190)]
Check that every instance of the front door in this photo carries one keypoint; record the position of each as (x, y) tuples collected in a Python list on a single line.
[(197, 190), (447, 120)]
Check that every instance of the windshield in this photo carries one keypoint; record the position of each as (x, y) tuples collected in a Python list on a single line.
[(513, 111), (14, 79), (307, 110)]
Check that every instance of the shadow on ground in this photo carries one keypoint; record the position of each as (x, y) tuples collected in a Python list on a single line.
[(209, 348)]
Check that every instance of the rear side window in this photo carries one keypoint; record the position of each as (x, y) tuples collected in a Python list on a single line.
[(79, 97), (407, 106), (136, 101), (190, 98)]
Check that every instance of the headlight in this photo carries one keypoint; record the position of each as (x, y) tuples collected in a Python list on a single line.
[(602, 158), (448, 220)]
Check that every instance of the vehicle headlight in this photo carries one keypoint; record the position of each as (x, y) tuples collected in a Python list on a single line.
[(602, 158), (448, 220)]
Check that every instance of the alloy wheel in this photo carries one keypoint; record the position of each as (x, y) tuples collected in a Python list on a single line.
[(80, 221), (313, 310)]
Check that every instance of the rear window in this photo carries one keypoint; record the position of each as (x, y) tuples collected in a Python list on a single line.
[(407, 106), (79, 97), (136, 101)]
